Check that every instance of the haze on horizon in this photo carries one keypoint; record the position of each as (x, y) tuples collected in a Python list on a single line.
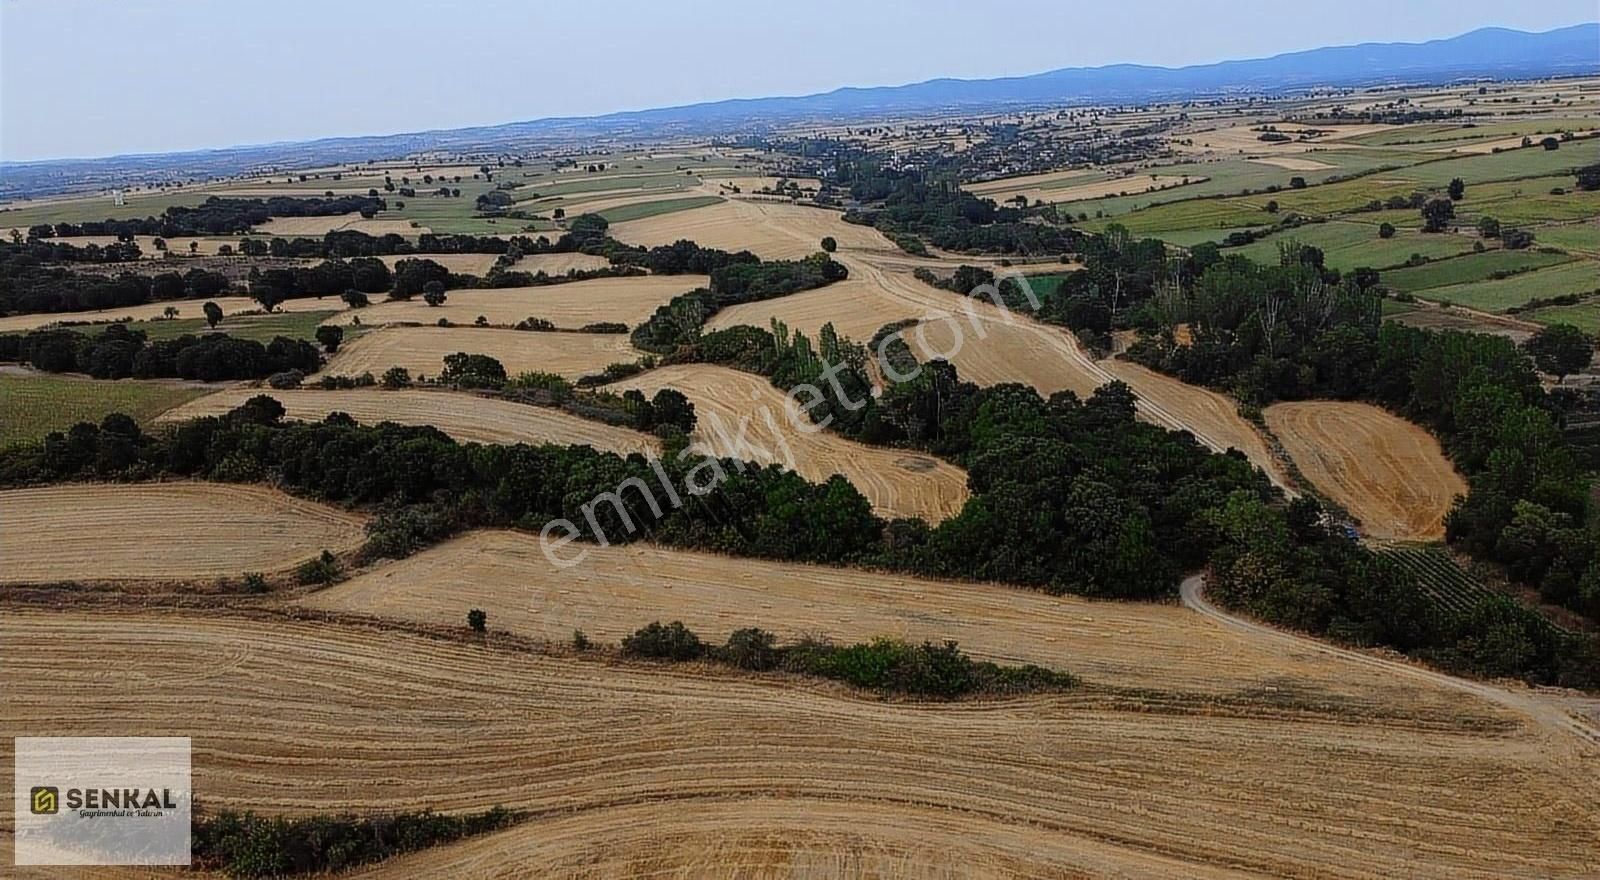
[(299, 70)]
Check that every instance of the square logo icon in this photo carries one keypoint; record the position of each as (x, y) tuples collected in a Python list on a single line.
[(44, 800), (112, 800)]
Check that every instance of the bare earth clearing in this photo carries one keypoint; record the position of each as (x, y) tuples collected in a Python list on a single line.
[(422, 350), (295, 716), (568, 305), (1388, 472), (466, 417), (162, 531), (742, 416)]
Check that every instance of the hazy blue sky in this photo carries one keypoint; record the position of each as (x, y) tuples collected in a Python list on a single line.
[(97, 77)]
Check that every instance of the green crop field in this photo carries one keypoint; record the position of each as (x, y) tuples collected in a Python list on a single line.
[(1585, 315), (1469, 269), (98, 208), (1575, 277), (34, 405), (261, 328), (1347, 246), (1440, 135), (1578, 238), (640, 210), (569, 184), (1454, 589)]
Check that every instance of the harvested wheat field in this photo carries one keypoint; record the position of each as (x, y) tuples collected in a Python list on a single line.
[(771, 230), (466, 417), (1211, 417), (856, 308), (422, 350), (187, 308), (569, 305), (559, 264), (1388, 472), (299, 716), (1292, 163), (291, 227), (742, 416), (162, 531), (615, 590)]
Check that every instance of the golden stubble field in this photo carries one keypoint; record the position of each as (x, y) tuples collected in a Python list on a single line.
[(664, 763), (1390, 473), (569, 305), (741, 415), (162, 531), (466, 417), (422, 350)]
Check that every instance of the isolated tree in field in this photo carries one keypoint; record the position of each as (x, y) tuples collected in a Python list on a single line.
[(330, 336), (1561, 350), (1589, 177), (159, 244), (1437, 214), (1297, 183), (559, 213), (433, 293), (1516, 239), (478, 619), (1272, 206), (1458, 189), (1386, 230), (170, 312), (829, 244), (1550, 143), (1488, 227), (213, 313), (194, 247)]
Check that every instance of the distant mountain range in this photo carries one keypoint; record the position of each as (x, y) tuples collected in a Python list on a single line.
[(1489, 52)]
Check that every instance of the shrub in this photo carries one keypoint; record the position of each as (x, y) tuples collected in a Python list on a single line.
[(657, 641), (286, 379), (396, 377), (478, 619), (751, 648), (322, 570)]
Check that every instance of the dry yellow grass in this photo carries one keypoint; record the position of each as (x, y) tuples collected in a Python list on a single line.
[(772, 230), (465, 417), (1292, 163), (569, 305), (1388, 472), (422, 350), (617, 589), (187, 308), (559, 264), (856, 308), (291, 227), (297, 716), (162, 531), (742, 416)]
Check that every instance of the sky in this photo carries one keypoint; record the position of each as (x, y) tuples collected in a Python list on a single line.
[(100, 77)]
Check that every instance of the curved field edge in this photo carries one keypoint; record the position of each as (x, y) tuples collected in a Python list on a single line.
[(300, 717)]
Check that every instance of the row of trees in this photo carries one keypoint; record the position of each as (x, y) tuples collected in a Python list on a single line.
[(216, 216)]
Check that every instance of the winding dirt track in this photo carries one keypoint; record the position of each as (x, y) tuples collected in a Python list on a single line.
[(742, 416), (92, 531), (569, 306), (422, 350), (466, 417), (617, 589), (1391, 474), (296, 716)]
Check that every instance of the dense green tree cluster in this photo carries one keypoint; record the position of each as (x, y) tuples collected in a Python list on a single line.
[(28, 286), (217, 216), (118, 353), (679, 322), (248, 845)]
